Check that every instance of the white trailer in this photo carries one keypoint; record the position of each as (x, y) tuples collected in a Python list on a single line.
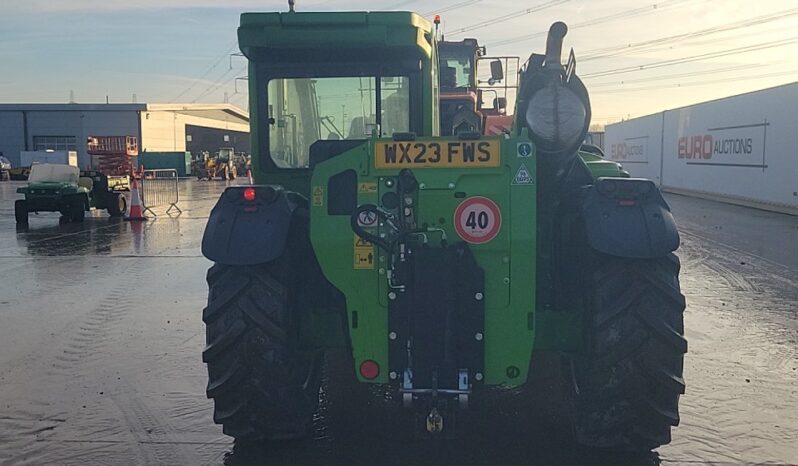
[(740, 149), (60, 157)]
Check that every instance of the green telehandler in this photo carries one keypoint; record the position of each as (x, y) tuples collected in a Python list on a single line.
[(442, 264)]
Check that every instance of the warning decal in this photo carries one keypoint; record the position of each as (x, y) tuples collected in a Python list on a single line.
[(367, 188), (522, 176), (477, 220), (363, 254), (318, 196)]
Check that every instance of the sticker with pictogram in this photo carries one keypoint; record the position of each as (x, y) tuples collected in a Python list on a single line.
[(525, 149), (477, 220), (367, 188), (367, 218), (363, 254), (318, 196), (522, 176)]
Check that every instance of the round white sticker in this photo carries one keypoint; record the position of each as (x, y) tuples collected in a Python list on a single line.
[(367, 218), (477, 220)]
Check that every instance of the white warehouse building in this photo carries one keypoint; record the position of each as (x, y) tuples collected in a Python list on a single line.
[(158, 127)]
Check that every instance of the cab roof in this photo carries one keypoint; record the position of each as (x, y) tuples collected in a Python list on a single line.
[(335, 30)]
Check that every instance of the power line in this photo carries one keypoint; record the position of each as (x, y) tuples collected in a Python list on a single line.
[(454, 6), (701, 83), (603, 19), (218, 83), (674, 76), (400, 4), (606, 52), (206, 73), (212, 86), (508, 17), (693, 58)]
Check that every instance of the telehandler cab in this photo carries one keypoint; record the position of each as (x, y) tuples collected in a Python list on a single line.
[(441, 263), (470, 99)]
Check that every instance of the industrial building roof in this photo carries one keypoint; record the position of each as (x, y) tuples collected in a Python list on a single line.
[(214, 111)]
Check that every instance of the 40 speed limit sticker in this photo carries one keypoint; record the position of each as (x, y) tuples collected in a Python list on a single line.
[(477, 220)]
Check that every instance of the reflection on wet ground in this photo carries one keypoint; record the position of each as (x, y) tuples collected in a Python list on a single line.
[(101, 337)]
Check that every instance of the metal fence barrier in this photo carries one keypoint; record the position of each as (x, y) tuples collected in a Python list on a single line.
[(159, 188)]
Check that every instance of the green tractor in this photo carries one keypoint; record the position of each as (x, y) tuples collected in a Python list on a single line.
[(66, 189), (440, 264)]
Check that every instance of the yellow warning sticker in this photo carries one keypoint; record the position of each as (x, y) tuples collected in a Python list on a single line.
[(318, 196), (367, 188), (363, 254)]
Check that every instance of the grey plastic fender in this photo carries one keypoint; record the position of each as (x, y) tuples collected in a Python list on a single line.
[(248, 232), (628, 217)]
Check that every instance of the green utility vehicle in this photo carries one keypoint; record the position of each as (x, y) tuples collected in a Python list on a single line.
[(65, 189), (440, 264)]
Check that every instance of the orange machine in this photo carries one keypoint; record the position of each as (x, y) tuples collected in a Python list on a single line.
[(469, 101)]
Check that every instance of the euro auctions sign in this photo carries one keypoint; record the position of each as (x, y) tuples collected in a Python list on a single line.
[(739, 145), (630, 150)]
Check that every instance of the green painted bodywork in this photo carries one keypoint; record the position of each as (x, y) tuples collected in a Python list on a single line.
[(601, 167), (51, 196), (52, 187), (513, 327), (508, 260)]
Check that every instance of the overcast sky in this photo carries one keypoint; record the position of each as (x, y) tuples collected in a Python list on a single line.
[(177, 50)]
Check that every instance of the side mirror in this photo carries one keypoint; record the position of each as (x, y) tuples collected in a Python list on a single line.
[(496, 71)]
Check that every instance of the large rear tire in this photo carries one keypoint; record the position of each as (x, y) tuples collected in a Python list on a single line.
[(21, 212), (628, 381), (262, 384), (77, 209), (117, 205)]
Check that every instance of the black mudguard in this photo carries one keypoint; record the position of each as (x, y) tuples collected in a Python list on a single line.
[(241, 232), (628, 217)]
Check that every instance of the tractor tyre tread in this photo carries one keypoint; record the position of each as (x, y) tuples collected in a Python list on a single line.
[(117, 207), (262, 387), (628, 383), (77, 209), (21, 211)]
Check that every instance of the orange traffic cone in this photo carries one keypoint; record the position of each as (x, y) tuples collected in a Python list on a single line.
[(135, 212)]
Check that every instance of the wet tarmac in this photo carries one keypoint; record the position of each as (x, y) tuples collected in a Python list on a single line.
[(101, 336)]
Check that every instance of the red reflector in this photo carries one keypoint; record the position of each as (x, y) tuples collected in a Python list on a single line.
[(369, 369), (249, 194)]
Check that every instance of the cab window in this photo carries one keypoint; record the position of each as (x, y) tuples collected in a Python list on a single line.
[(302, 111)]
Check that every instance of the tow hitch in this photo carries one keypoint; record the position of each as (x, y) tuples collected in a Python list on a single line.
[(436, 408)]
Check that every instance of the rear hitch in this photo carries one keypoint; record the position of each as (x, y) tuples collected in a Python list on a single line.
[(436, 409)]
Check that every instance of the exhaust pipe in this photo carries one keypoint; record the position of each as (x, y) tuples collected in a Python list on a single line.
[(557, 112), (557, 33)]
